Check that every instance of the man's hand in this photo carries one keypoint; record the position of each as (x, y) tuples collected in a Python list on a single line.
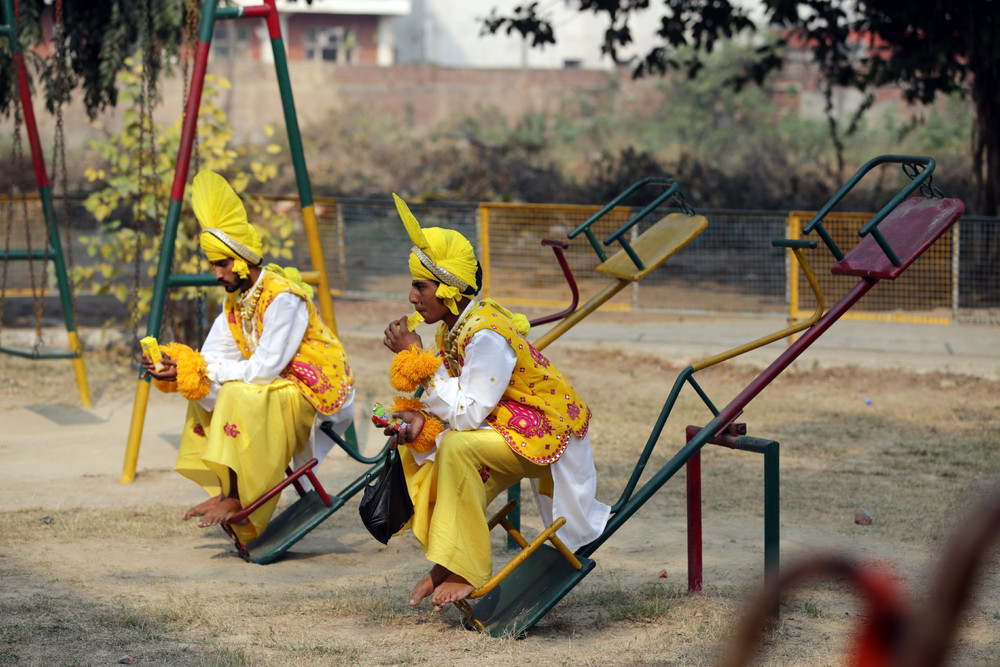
[(169, 372), (415, 420), (398, 337)]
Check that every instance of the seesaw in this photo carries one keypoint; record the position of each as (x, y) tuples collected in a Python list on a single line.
[(632, 263), (522, 592), (313, 506)]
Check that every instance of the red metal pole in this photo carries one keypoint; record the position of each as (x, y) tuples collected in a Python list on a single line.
[(693, 471)]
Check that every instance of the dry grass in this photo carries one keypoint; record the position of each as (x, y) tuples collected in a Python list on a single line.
[(86, 584)]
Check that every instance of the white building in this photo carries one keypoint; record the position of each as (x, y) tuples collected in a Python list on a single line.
[(449, 33)]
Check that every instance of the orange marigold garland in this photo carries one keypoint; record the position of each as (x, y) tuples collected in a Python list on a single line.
[(192, 374), (405, 403), (172, 350), (427, 438), (411, 368)]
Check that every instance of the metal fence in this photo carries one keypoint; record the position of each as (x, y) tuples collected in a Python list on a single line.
[(731, 268)]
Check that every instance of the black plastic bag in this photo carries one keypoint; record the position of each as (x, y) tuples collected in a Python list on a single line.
[(386, 505)]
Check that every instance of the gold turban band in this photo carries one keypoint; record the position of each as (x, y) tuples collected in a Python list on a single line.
[(441, 255), (226, 233)]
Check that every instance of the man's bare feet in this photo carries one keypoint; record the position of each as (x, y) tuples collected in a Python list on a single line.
[(426, 586), (452, 589), (220, 512), (200, 509)]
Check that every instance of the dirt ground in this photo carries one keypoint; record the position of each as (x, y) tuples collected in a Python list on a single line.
[(98, 572)]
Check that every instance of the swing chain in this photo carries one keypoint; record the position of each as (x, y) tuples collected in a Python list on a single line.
[(59, 144), (681, 204), (927, 189)]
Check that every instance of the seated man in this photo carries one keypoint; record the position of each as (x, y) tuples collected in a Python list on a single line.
[(510, 414), (270, 371)]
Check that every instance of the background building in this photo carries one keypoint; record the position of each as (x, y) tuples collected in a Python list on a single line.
[(341, 32)]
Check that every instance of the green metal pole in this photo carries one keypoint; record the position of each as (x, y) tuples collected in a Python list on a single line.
[(188, 131), (299, 162), (772, 512)]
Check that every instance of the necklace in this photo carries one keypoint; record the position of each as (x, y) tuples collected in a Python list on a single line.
[(248, 306), (450, 346)]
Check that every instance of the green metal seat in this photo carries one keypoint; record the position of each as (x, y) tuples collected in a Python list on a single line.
[(311, 509), (41, 352), (290, 526), (528, 593)]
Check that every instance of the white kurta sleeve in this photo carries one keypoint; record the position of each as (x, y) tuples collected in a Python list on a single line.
[(466, 401), (285, 322)]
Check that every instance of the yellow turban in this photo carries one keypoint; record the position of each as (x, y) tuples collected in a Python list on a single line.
[(441, 255), (225, 230)]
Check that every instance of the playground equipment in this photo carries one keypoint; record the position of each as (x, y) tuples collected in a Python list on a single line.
[(312, 507), (634, 261), (315, 504), (526, 589), (164, 278), (52, 250)]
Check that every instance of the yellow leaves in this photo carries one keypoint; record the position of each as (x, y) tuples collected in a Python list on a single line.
[(263, 172), (101, 212), (240, 182), (125, 204)]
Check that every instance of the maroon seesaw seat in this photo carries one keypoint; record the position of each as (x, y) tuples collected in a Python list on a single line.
[(910, 229)]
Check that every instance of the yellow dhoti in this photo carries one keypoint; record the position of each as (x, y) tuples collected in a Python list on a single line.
[(450, 495), (254, 431)]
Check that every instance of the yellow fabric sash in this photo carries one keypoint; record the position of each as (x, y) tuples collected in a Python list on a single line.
[(320, 368), (539, 411)]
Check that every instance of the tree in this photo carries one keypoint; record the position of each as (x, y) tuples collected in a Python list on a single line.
[(99, 36), (927, 47), (133, 180)]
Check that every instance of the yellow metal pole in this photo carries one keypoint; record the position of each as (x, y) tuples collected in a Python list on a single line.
[(787, 331), (80, 369), (316, 255), (135, 431), (484, 248), (570, 320)]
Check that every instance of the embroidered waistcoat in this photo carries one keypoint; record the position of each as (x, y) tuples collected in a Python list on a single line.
[(319, 367), (539, 411)]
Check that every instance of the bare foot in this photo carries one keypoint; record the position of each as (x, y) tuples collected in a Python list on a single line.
[(426, 586), (452, 589), (199, 510), (220, 512)]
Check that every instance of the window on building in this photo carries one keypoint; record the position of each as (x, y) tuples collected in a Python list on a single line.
[(573, 63), (230, 41), (334, 45)]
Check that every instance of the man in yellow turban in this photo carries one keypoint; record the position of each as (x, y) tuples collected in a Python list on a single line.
[(493, 412), (269, 372)]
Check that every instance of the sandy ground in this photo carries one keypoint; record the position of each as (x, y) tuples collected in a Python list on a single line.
[(105, 555)]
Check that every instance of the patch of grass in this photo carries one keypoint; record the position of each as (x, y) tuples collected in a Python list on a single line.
[(116, 523), (648, 603), (379, 604)]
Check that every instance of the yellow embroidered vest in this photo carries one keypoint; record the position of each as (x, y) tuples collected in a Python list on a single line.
[(539, 410), (319, 368)]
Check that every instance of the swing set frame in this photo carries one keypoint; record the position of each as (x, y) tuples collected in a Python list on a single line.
[(165, 279), (53, 248)]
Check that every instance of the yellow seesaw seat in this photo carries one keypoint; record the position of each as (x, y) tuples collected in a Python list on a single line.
[(654, 246)]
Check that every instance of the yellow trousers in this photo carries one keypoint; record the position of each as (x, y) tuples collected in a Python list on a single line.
[(451, 493), (253, 431)]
